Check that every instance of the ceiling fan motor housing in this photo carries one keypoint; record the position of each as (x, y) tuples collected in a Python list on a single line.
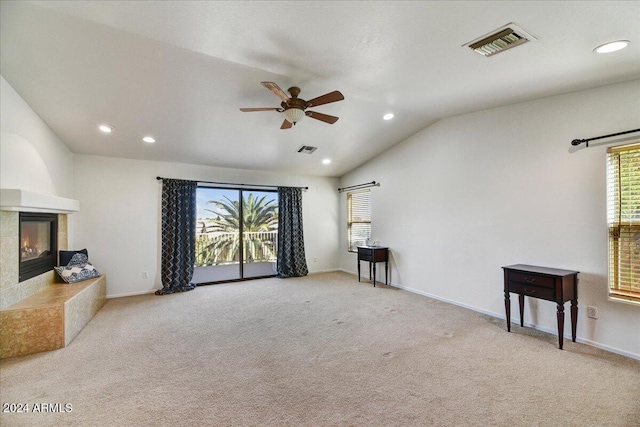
[(294, 91), (294, 107)]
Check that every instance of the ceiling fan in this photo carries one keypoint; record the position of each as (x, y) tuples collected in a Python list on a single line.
[(294, 107)]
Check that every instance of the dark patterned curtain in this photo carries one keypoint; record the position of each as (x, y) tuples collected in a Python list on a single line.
[(291, 257), (178, 235)]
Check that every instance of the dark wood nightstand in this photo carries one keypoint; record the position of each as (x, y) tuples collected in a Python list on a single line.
[(374, 254), (549, 284)]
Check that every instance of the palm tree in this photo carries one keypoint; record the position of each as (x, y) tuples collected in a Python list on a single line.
[(259, 215)]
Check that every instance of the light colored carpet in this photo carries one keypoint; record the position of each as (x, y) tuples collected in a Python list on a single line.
[(323, 350)]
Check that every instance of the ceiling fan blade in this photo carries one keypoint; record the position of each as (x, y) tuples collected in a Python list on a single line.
[(249, 110), (322, 117), (276, 90), (325, 99), (286, 124)]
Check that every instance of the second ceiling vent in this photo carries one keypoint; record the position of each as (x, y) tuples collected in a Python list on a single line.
[(500, 40), (307, 149)]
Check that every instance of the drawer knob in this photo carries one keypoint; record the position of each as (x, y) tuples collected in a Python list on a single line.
[(529, 279), (530, 291)]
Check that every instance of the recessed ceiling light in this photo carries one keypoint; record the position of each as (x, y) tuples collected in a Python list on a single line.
[(612, 46), (326, 161), (388, 116), (106, 128), (148, 139)]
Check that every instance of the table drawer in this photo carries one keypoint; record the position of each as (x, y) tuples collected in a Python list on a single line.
[(533, 291), (532, 279), (365, 254)]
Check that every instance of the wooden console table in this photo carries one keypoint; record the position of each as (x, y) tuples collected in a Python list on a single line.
[(549, 284), (374, 254)]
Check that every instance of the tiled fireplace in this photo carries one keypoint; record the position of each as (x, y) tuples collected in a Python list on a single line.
[(38, 312), (12, 289)]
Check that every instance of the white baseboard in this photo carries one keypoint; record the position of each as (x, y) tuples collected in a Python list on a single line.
[(517, 321), (331, 270), (132, 294)]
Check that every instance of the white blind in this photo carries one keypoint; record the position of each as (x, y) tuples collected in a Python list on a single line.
[(623, 218), (358, 218)]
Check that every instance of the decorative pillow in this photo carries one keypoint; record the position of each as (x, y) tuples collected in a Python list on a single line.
[(77, 270), (65, 256), (78, 259)]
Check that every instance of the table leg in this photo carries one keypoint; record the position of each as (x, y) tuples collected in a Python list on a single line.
[(507, 308), (374, 274), (386, 272), (574, 318), (521, 300), (560, 324), (358, 270)]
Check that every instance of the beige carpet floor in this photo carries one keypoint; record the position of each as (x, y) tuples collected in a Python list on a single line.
[(323, 350)]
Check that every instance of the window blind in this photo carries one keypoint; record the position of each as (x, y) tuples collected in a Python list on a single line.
[(358, 218), (623, 218)]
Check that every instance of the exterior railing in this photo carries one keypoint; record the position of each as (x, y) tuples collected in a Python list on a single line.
[(220, 248)]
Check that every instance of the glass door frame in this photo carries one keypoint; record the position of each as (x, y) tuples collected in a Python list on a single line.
[(241, 257)]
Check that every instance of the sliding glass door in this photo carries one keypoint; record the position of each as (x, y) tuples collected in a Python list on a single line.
[(259, 233), (236, 235), (217, 235)]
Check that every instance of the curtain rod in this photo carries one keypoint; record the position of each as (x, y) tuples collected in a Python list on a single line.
[(360, 186), (586, 140), (241, 185)]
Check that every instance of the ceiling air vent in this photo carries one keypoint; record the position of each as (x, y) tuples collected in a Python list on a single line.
[(500, 40), (307, 149)]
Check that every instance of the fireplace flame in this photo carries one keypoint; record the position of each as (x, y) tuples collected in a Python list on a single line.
[(27, 251)]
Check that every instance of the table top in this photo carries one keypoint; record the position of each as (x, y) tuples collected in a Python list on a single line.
[(541, 270), (373, 247)]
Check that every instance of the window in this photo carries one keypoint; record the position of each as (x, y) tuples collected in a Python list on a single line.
[(358, 218), (623, 218)]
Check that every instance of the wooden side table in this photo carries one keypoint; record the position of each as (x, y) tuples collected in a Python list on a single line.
[(374, 254), (549, 284)]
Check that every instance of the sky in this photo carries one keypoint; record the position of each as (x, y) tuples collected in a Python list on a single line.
[(204, 195)]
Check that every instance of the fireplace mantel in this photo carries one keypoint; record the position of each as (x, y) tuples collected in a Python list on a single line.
[(27, 201)]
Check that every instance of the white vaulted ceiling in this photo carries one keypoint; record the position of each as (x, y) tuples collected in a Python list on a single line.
[(179, 71)]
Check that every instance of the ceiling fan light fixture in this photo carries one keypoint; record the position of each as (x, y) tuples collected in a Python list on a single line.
[(293, 115)]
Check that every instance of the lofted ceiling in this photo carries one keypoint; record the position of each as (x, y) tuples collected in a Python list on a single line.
[(180, 71)]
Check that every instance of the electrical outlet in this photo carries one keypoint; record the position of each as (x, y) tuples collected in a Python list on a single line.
[(592, 312), (145, 274)]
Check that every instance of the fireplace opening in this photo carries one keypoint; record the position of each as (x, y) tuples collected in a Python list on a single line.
[(38, 244)]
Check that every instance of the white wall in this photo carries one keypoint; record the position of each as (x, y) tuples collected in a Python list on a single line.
[(119, 222), (476, 192), (458, 200), (32, 157)]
